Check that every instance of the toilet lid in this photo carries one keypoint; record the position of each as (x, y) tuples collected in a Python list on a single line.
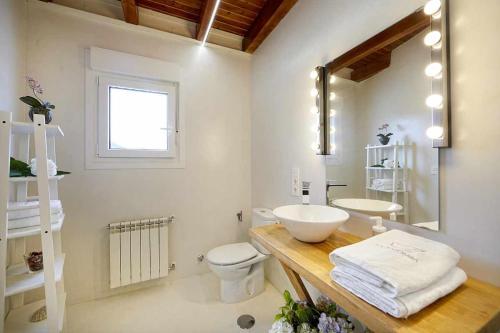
[(231, 254)]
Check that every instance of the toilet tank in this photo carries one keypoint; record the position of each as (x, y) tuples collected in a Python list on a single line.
[(262, 216)]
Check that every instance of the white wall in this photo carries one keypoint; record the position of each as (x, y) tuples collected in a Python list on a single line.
[(13, 57), (204, 197), (315, 32)]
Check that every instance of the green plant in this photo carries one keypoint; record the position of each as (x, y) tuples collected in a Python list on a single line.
[(22, 169), (301, 317), (37, 104)]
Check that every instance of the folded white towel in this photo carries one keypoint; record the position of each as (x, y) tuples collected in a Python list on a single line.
[(404, 306), (20, 210), (32, 221), (396, 262), (51, 167)]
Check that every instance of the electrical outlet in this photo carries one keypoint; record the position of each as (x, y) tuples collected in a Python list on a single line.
[(296, 184)]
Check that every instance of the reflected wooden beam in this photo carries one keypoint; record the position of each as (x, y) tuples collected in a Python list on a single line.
[(371, 68), (206, 13), (130, 11), (269, 17), (408, 26)]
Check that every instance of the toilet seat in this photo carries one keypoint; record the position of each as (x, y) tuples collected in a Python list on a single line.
[(232, 254)]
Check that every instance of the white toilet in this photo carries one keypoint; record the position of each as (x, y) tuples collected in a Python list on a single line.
[(240, 266)]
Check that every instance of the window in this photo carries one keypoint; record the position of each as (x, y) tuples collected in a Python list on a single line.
[(136, 118)]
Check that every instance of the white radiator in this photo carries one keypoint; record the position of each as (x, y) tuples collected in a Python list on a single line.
[(138, 250)]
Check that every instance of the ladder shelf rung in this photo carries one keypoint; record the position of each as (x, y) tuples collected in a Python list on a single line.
[(20, 279)]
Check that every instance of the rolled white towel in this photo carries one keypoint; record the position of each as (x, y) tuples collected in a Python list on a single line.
[(403, 306), (20, 210), (51, 167), (396, 262)]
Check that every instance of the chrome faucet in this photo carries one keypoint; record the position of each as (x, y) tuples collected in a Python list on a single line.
[(331, 183)]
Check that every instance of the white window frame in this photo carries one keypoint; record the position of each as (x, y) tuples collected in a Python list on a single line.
[(105, 82), (108, 63)]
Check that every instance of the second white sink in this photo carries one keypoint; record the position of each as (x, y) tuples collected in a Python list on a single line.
[(311, 223)]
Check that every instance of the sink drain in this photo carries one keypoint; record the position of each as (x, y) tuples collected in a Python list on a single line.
[(246, 321)]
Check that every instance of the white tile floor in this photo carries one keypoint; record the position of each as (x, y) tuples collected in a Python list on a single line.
[(188, 305)]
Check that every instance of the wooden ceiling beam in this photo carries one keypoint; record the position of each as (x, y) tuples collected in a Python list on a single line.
[(269, 17), (408, 26), (130, 11), (206, 13)]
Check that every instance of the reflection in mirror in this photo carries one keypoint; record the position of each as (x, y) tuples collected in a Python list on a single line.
[(384, 163)]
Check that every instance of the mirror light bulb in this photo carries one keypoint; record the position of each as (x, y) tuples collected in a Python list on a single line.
[(332, 96), (314, 92), (333, 112), (434, 101), (314, 110), (432, 38), (435, 132), (432, 7), (433, 69), (333, 78), (314, 74), (332, 129), (333, 147)]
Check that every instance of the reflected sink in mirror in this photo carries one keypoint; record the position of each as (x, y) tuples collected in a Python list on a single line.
[(311, 223), (369, 206)]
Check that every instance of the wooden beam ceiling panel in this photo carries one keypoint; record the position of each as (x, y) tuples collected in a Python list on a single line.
[(240, 11), (269, 17), (161, 7), (371, 68), (205, 15), (229, 28), (408, 26), (130, 11)]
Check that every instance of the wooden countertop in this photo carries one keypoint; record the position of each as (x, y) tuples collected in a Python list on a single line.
[(473, 307)]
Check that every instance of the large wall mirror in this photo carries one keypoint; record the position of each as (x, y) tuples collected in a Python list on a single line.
[(387, 111)]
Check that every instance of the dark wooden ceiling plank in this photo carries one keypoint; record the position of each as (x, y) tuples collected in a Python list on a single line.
[(186, 5), (207, 10), (228, 15), (255, 6), (239, 11), (409, 25), (371, 68), (229, 28), (169, 10), (269, 17), (130, 11), (231, 21)]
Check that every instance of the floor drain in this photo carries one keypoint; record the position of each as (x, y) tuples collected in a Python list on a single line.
[(246, 321)]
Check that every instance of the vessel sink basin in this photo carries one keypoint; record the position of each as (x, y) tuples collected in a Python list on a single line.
[(368, 206), (310, 223)]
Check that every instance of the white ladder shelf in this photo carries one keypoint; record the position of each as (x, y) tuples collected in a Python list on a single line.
[(15, 279), (398, 173)]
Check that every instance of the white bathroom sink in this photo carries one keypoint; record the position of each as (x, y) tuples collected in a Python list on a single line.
[(310, 223), (368, 206)]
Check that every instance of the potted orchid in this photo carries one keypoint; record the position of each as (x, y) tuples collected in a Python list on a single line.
[(384, 136), (301, 317), (36, 103)]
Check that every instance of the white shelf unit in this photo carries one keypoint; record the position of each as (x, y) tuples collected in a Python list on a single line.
[(398, 174), (15, 280)]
